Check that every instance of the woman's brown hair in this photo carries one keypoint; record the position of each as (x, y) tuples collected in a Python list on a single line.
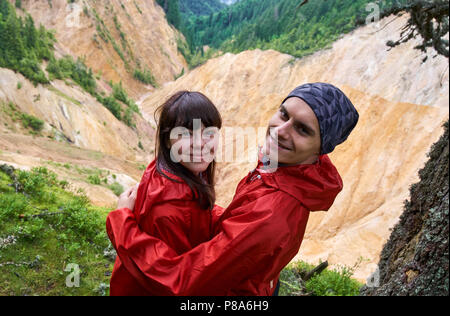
[(180, 110)]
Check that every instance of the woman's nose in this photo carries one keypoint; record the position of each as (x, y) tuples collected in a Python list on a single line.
[(197, 140)]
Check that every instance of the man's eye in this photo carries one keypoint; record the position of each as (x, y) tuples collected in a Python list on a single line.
[(302, 130), (283, 114)]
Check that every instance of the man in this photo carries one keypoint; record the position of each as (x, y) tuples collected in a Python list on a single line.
[(263, 227)]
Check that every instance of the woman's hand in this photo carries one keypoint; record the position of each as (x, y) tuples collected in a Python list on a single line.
[(128, 198)]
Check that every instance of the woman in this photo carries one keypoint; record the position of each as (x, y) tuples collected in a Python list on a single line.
[(174, 200), (262, 229)]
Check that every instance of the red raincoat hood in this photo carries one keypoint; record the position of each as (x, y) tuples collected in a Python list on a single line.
[(314, 185)]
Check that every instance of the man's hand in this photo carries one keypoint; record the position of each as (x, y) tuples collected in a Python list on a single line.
[(128, 198)]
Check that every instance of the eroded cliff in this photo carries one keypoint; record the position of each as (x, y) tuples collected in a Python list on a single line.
[(114, 37)]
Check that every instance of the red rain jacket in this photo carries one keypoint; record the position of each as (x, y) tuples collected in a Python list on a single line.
[(256, 237), (164, 209)]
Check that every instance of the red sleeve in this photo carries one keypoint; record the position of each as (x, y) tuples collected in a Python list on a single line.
[(170, 225), (252, 239), (216, 214)]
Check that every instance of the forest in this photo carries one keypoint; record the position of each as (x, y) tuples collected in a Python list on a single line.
[(22, 46), (281, 25), (190, 8)]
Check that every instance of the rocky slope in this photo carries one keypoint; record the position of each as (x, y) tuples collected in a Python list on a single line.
[(402, 103), (77, 130), (102, 31)]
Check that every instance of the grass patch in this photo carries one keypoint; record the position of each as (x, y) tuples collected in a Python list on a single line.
[(63, 95), (91, 175), (43, 229)]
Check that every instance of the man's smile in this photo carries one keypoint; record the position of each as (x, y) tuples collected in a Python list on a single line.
[(279, 144)]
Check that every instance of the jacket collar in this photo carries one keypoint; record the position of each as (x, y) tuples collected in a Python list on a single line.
[(314, 185)]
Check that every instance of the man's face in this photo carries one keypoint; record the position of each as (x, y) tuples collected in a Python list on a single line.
[(298, 133)]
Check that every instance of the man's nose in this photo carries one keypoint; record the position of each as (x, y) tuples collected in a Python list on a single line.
[(283, 129)]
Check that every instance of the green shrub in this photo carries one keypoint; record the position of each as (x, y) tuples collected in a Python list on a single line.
[(117, 188), (94, 179), (337, 282), (142, 167), (67, 67), (119, 93), (181, 74), (29, 121), (112, 105), (31, 231), (145, 76), (31, 69), (128, 118), (33, 182), (12, 205)]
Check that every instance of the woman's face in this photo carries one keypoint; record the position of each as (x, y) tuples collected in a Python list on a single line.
[(194, 149), (293, 136)]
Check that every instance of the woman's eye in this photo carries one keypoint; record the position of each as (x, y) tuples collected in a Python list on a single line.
[(283, 114), (210, 133)]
